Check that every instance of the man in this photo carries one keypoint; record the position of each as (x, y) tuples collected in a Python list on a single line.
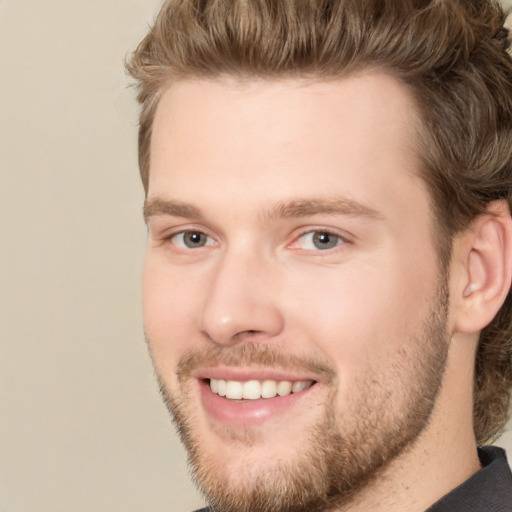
[(326, 286)]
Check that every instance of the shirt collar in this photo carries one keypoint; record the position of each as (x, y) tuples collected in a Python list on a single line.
[(488, 489)]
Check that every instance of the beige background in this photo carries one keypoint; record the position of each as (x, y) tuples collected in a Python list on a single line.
[(81, 423)]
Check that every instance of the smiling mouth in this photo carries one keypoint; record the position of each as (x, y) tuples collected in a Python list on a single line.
[(256, 389)]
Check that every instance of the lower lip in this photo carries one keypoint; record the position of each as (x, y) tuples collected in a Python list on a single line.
[(247, 412)]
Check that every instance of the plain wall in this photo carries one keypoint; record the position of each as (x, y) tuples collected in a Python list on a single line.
[(82, 427)]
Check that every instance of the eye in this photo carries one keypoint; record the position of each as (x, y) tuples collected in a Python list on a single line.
[(191, 240), (319, 240)]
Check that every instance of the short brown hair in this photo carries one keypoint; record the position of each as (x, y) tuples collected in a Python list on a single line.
[(451, 55)]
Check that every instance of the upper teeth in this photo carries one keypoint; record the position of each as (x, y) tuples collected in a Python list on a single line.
[(254, 389)]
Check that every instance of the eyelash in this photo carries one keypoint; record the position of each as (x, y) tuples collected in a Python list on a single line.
[(339, 240), (183, 233)]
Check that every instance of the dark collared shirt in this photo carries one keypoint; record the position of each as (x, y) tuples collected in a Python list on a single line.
[(488, 490)]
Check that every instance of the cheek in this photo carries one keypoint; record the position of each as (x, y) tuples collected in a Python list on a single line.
[(360, 318), (169, 304)]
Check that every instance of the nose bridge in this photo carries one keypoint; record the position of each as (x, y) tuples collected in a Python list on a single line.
[(239, 299)]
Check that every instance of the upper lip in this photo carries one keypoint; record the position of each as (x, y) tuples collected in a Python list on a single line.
[(246, 374)]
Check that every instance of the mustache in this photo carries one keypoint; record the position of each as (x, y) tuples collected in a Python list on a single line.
[(252, 355)]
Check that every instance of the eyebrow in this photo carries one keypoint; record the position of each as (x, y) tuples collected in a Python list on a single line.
[(157, 206), (324, 206), (294, 208)]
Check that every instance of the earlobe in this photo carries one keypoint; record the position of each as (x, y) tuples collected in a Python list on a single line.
[(487, 248)]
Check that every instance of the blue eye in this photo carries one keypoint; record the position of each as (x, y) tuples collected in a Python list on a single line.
[(319, 240), (191, 240)]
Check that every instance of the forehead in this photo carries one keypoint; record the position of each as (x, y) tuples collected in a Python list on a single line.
[(272, 139)]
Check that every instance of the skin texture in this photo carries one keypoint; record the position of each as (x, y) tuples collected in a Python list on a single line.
[(256, 167)]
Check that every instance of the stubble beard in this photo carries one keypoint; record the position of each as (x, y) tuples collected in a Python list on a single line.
[(337, 459)]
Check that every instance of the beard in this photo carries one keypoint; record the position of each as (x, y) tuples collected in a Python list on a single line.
[(342, 453)]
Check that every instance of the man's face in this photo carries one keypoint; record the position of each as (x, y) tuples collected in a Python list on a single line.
[(290, 267)]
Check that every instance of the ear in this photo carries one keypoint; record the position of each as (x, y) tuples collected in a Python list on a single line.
[(484, 269)]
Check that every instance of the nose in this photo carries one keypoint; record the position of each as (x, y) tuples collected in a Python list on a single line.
[(241, 302)]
